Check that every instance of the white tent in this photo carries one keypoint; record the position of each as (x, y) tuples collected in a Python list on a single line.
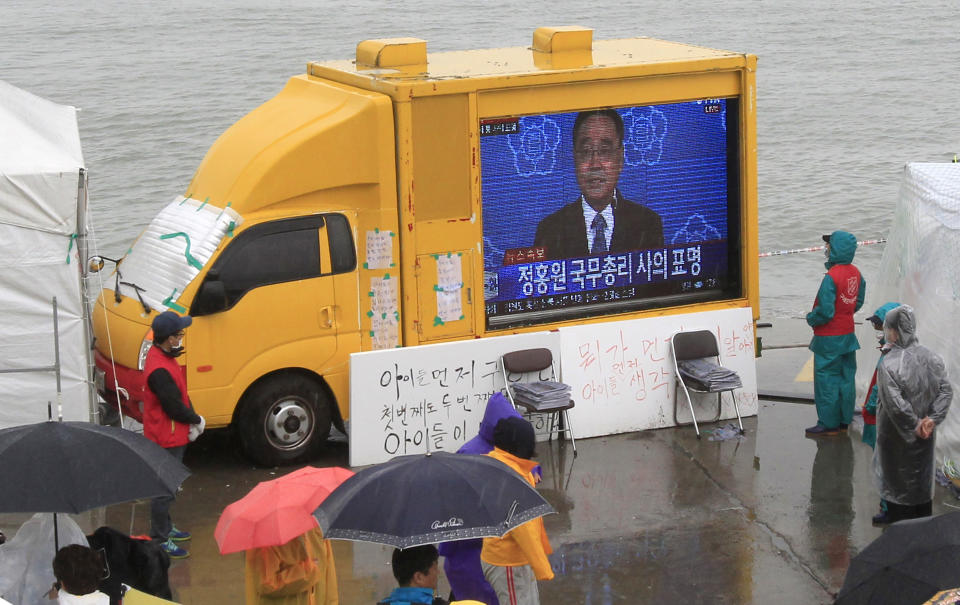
[(920, 267), (43, 219)]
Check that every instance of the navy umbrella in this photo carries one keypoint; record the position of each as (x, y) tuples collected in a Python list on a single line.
[(70, 467), (424, 499), (909, 563)]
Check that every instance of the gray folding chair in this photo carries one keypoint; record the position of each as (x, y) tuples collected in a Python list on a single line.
[(525, 363), (699, 344)]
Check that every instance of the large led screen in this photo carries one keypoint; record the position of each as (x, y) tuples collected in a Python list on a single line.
[(604, 211)]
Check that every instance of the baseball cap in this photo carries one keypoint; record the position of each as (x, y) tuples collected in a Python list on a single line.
[(826, 237), (167, 324)]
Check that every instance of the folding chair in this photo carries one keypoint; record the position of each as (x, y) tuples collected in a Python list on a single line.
[(700, 344), (528, 361)]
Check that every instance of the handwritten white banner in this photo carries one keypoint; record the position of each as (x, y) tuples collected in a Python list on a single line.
[(404, 400), (623, 378)]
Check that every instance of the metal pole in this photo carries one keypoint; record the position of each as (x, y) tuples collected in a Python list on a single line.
[(775, 347), (83, 268), (56, 360), (56, 536)]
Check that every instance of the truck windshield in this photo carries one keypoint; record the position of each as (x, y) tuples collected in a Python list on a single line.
[(172, 250)]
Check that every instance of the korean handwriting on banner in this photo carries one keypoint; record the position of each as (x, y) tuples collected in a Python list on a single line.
[(623, 367), (734, 342), (434, 407)]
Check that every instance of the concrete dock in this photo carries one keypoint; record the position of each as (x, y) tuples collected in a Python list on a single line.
[(649, 517)]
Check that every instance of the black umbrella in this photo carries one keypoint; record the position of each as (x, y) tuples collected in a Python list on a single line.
[(909, 563), (70, 467), (423, 499)]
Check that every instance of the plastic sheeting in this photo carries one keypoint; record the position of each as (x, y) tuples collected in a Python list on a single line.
[(26, 561), (912, 386), (43, 218), (172, 250), (920, 268)]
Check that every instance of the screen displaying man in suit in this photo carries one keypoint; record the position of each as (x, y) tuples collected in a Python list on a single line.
[(602, 220)]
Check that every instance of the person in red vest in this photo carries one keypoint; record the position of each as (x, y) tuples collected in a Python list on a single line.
[(834, 342), (167, 416)]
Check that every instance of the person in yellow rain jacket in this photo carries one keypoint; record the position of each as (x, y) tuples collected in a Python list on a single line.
[(300, 572), (513, 564)]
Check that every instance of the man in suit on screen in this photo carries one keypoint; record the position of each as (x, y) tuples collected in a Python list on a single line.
[(602, 220)]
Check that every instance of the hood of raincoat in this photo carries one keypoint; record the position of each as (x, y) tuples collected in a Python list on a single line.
[(904, 321), (843, 246), (498, 408), (885, 308), (881, 314)]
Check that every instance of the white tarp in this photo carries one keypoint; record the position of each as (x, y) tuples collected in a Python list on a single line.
[(42, 225), (920, 268)]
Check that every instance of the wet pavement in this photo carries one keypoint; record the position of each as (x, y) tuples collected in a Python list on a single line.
[(649, 517)]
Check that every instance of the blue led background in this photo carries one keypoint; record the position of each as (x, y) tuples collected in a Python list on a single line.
[(675, 162)]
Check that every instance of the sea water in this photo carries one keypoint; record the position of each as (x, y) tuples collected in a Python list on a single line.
[(847, 93)]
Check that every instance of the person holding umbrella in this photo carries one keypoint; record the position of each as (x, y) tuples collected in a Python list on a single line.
[(513, 564), (300, 572), (915, 396), (287, 559), (461, 558), (167, 416)]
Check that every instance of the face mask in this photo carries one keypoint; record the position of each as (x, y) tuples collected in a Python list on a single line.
[(176, 350), (879, 334), (826, 252)]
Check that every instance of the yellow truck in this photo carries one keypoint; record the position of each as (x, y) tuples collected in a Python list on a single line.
[(406, 198)]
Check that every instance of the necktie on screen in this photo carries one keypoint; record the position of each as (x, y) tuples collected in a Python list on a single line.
[(599, 237)]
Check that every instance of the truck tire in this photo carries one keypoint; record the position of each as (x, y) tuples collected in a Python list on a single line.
[(283, 419)]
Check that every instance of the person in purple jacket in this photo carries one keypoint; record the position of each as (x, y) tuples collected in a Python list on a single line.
[(461, 559)]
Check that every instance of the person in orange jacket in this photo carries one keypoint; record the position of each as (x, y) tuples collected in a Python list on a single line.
[(513, 564), (300, 572)]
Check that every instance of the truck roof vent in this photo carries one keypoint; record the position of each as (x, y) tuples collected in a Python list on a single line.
[(563, 39), (392, 52)]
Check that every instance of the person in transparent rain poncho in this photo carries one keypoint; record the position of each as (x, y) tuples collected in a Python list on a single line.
[(914, 398)]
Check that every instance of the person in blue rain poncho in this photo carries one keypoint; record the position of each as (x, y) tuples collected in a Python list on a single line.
[(914, 396), (834, 342)]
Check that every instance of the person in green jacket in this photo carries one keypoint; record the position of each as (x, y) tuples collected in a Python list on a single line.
[(870, 403), (834, 342)]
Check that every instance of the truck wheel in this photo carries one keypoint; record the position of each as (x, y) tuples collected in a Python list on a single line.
[(283, 419)]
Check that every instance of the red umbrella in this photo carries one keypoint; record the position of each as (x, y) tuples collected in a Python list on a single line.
[(277, 511)]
